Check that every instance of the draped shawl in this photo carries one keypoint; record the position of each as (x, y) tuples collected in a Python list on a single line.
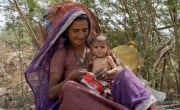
[(37, 74)]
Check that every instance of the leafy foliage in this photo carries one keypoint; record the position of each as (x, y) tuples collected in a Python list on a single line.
[(147, 22)]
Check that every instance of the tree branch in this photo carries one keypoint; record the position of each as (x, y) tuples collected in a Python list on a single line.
[(166, 27), (25, 20)]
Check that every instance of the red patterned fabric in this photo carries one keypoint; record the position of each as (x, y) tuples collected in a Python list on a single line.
[(57, 11), (90, 81)]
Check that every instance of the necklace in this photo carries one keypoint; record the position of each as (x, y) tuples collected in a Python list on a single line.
[(81, 60)]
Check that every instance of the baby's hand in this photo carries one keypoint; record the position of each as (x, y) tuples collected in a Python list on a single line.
[(101, 74)]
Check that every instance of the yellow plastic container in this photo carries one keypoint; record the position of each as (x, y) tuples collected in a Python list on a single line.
[(129, 56)]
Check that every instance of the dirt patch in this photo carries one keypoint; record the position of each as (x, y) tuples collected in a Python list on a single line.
[(13, 64)]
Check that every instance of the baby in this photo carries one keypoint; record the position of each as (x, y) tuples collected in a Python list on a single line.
[(101, 60)]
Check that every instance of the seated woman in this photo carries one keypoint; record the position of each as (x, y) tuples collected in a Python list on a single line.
[(55, 73)]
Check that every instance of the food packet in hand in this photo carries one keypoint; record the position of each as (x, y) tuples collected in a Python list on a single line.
[(91, 82)]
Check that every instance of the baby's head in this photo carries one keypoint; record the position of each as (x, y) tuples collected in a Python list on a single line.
[(99, 45)]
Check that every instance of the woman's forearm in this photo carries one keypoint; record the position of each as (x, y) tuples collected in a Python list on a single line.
[(55, 86), (54, 90)]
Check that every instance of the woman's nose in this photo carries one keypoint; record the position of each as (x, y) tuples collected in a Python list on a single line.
[(81, 35)]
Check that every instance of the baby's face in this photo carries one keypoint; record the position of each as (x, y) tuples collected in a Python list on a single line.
[(99, 48)]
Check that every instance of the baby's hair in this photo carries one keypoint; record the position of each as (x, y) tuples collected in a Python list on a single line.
[(100, 38)]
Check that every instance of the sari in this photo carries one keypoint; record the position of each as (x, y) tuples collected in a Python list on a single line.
[(126, 89), (37, 74)]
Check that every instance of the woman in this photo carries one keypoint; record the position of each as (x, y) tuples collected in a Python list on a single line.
[(55, 73), (69, 64)]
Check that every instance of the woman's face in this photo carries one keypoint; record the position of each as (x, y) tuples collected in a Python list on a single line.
[(99, 48), (78, 32)]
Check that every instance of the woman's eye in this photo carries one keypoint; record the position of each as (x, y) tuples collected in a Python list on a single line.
[(75, 30), (85, 30)]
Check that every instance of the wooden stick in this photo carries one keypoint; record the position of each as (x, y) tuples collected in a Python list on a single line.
[(25, 20)]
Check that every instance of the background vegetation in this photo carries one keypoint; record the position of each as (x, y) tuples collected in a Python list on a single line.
[(153, 24)]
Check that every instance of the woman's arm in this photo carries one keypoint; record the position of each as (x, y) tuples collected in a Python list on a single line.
[(56, 73), (55, 86), (56, 80)]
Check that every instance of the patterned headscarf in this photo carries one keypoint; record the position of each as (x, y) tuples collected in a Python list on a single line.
[(57, 12), (37, 74)]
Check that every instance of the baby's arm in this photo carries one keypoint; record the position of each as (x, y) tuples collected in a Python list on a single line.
[(114, 68), (104, 74), (111, 62)]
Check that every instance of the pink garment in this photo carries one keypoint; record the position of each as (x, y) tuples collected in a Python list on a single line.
[(75, 96), (64, 61)]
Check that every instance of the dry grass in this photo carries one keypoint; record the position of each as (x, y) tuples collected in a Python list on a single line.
[(12, 67)]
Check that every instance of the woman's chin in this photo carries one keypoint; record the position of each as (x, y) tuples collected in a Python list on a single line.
[(79, 43)]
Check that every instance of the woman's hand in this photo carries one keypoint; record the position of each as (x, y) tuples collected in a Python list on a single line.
[(77, 75)]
